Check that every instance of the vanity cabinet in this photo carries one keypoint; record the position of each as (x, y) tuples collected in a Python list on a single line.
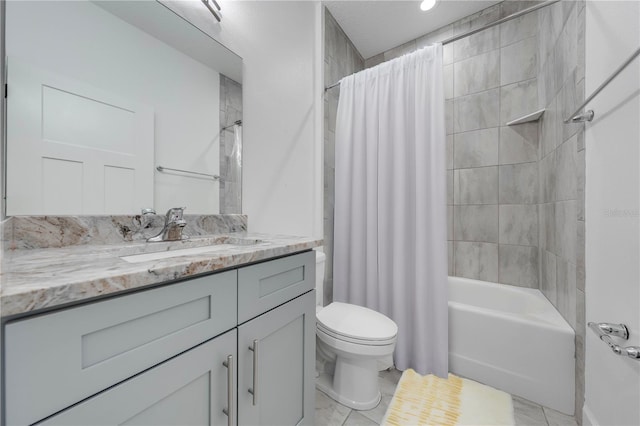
[(176, 354), (190, 389)]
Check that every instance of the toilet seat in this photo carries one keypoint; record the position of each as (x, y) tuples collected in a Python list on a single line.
[(320, 328), (356, 324)]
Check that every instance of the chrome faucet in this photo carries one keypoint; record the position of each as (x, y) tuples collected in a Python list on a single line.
[(173, 226)]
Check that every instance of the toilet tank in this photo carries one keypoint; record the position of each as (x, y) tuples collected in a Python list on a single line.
[(320, 261)]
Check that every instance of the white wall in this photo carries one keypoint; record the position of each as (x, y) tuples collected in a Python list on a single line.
[(84, 42), (282, 108), (281, 182), (612, 383)]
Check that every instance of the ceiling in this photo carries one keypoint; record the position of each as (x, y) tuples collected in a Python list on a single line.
[(377, 26)]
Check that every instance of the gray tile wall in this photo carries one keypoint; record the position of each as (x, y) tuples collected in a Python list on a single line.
[(492, 177), (341, 58), (230, 171), (561, 169), (515, 194)]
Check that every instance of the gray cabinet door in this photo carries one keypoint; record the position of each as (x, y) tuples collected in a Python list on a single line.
[(280, 373), (190, 389), (265, 285)]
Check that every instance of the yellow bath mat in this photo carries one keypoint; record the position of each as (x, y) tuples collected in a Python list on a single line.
[(430, 400)]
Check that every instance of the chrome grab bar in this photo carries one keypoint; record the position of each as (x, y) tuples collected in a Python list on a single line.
[(588, 115), (606, 330)]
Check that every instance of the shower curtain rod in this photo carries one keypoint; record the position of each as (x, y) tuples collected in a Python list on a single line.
[(484, 27)]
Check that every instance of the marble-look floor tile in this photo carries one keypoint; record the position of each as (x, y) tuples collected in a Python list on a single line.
[(555, 418), (328, 411), (377, 413), (388, 380), (357, 419), (528, 413), (331, 413)]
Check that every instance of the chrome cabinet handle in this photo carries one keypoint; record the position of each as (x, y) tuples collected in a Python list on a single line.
[(229, 410), (606, 330), (254, 390)]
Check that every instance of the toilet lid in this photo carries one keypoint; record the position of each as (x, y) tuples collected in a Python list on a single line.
[(356, 322)]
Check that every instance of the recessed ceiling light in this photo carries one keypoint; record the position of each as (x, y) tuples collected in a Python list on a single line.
[(427, 4)]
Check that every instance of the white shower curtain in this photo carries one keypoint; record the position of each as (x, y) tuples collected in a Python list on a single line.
[(390, 248)]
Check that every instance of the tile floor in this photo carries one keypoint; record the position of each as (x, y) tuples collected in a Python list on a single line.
[(330, 413)]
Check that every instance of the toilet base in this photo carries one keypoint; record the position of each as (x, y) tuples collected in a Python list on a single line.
[(324, 384), (352, 385)]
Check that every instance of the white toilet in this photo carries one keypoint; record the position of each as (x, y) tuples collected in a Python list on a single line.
[(352, 342)]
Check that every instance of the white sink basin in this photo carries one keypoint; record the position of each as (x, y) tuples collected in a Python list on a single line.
[(222, 245), (145, 257)]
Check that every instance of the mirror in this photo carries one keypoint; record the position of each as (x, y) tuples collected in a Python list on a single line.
[(114, 106)]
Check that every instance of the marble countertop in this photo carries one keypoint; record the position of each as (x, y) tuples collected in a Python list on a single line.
[(35, 279)]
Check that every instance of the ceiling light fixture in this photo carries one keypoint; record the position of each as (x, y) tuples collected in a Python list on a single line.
[(427, 5)]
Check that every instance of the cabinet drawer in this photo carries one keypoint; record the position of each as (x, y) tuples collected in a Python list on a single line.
[(57, 359), (266, 285)]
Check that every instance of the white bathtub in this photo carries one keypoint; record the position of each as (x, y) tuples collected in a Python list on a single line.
[(513, 339)]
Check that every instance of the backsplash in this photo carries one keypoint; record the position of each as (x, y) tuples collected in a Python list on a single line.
[(33, 232)]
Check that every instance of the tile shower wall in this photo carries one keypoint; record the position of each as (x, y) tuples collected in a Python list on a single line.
[(516, 193), (492, 173), (561, 169), (340, 59), (230, 148)]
